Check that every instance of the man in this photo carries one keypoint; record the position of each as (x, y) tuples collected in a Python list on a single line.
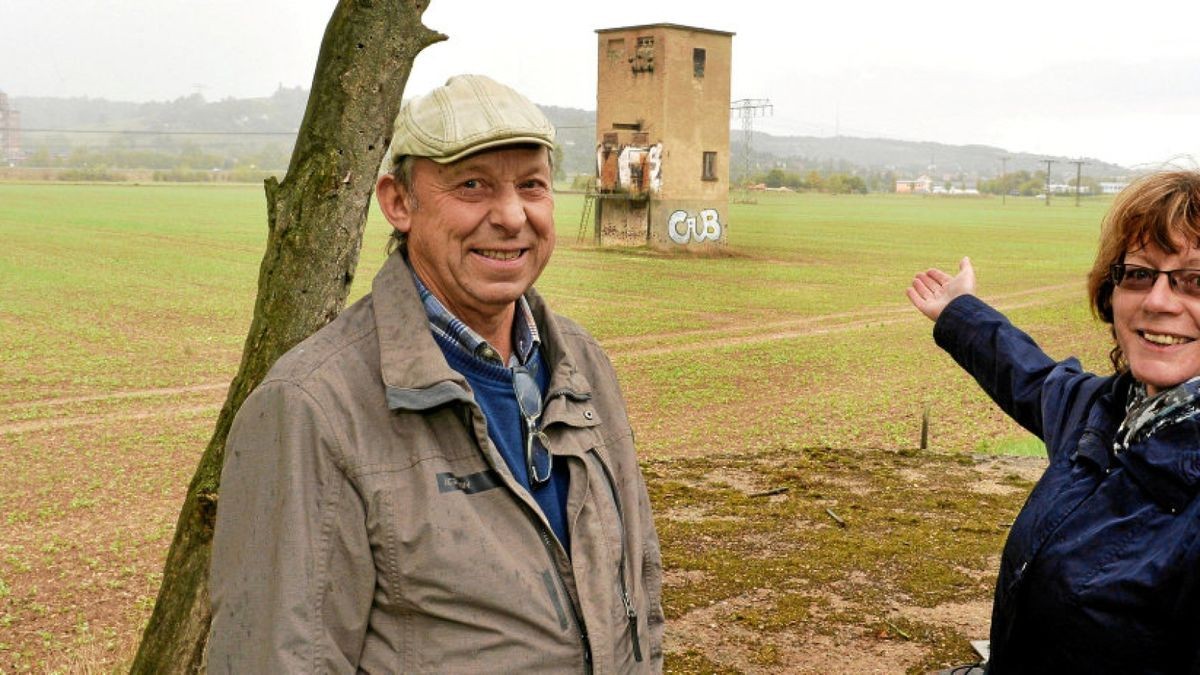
[(443, 479)]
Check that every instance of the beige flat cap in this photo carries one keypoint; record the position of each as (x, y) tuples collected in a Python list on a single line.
[(467, 114)]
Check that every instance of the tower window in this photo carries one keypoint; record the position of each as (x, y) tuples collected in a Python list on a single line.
[(616, 48), (643, 56), (698, 56), (710, 166)]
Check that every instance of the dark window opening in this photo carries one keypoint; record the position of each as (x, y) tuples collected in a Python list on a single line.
[(710, 166), (698, 56), (643, 56)]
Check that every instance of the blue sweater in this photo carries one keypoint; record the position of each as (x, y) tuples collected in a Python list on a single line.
[(492, 385), (1101, 570)]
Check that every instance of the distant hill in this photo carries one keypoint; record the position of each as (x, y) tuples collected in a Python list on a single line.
[(255, 122), (842, 153), (908, 158), (282, 111)]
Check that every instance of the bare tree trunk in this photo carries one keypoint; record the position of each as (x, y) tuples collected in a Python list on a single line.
[(316, 218)]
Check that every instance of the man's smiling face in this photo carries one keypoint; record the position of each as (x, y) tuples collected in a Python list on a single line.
[(481, 229)]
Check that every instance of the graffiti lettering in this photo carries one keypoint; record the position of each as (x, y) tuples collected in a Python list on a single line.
[(683, 228)]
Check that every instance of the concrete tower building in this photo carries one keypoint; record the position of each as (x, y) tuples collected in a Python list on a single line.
[(662, 135)]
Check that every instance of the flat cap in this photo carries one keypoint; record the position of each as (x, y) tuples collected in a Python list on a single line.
[(467, 114)]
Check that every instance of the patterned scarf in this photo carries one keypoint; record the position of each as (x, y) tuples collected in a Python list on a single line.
[(1145, 415)]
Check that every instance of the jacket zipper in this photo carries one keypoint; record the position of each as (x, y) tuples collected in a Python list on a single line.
[(547, 540), (548, 543), (630, 612)]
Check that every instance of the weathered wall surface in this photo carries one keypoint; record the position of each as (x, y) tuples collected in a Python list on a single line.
[(689, 222), (623, 222)]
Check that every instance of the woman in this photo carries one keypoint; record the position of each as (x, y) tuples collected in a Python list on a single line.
[(1102, 565)]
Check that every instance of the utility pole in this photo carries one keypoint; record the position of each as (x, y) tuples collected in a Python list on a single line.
[(1004, 180), (748, 109), (1048, 163), (1078, 177)]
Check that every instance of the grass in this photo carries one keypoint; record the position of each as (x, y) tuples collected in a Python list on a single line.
[(790, 359)]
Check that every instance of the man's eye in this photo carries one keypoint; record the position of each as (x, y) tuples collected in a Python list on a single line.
[(470, 184), (1189, 278)]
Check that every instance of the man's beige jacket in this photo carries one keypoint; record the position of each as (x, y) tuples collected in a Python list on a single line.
[(367, 523)]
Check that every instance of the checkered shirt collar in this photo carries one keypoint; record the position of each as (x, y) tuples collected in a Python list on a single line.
[(442, 322)]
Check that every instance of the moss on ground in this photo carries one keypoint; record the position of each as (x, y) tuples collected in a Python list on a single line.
[(818, 541)]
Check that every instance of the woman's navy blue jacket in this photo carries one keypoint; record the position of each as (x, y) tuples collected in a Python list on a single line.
[(1100, 572)]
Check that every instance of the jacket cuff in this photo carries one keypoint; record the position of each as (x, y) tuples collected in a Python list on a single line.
[(957, 323)]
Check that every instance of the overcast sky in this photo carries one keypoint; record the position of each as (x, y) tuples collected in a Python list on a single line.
[(1120, 82)]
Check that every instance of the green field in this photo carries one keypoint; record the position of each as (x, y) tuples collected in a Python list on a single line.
[(123, 309)]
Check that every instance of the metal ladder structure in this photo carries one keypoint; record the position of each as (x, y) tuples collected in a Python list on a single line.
[(588, 218)]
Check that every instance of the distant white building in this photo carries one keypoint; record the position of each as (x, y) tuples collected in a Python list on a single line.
[(1112, 188), (1064, 189)]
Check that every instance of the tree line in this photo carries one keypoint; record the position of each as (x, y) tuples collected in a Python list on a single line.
[(1027, 184), (832, 182)]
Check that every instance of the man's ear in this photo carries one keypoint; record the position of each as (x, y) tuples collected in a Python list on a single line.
[(393, 202)]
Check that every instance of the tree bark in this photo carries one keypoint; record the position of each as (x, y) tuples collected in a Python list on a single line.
[(316, 217)]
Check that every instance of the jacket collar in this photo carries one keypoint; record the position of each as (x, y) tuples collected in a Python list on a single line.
[(415, 373), (568, 386), (1103, 418), (1166, 465)]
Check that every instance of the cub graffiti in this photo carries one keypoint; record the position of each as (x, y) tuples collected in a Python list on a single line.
[(683, 228)]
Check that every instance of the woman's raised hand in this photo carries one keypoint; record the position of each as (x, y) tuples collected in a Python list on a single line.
[(933, 289)]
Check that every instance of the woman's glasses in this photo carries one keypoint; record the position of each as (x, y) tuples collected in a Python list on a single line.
[(1138, 278), (537, 452)]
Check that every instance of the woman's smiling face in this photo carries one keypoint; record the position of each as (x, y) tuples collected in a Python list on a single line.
[(1159, 330)]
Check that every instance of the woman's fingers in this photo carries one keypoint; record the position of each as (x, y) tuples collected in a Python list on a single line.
[(927, 283)]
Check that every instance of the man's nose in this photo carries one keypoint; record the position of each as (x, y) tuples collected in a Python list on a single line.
[(508, 210)]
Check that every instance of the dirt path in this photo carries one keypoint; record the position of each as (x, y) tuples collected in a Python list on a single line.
[(786, 329), (92, 398), (47, 414), (105, 418)]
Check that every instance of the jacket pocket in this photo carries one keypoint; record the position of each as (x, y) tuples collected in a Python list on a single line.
[(461, 572)]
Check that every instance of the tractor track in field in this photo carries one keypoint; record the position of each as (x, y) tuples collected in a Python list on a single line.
[(786, 329), (619, 348), (94, 398), (16, 428), (152, 408)]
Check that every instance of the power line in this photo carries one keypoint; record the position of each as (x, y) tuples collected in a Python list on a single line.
[(748, 109), (1048, 163), (1004, 179), (1078, 177), (142, 132), (177, 132)]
